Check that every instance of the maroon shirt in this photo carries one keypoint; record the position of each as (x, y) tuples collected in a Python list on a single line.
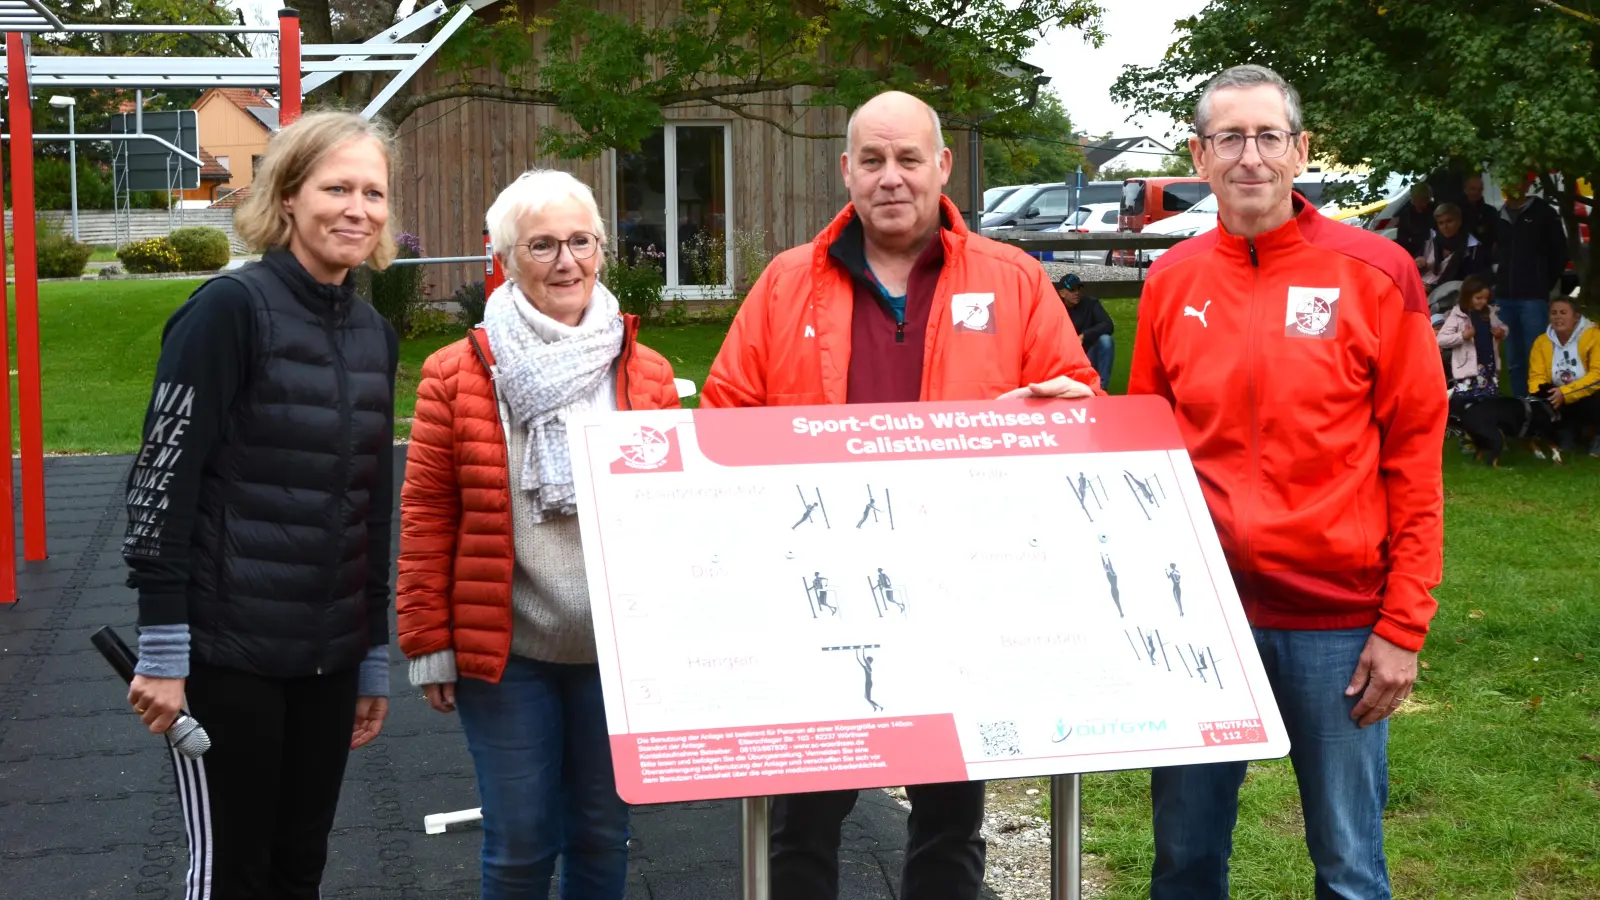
[(885, 354)]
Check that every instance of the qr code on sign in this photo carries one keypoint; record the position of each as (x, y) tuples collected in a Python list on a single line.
[(1000, 739)]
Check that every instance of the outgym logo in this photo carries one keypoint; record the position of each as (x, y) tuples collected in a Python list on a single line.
[(648, 449), (1312, 313)]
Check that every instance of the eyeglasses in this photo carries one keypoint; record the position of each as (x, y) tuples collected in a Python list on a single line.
[(545, 249), (1270, 144)]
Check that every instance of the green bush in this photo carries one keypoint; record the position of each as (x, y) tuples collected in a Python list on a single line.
[(150, 255), (398, 291), (472, 301), (62, 257), (636, 279), (201, 249)]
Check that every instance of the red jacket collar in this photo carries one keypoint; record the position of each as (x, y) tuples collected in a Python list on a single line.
[(1305, 222)]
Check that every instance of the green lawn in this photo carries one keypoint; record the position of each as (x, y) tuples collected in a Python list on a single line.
[(1496, 761)]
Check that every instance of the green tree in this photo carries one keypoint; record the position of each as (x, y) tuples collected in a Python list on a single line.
[(1410, 85), (613, 74), (1049, 153)]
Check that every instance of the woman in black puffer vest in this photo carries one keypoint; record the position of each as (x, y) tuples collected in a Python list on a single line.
[(259, 516)]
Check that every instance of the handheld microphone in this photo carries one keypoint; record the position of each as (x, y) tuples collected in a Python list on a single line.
[(186, 735)]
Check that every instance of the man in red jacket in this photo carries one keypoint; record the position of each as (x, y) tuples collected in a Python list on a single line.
[(896, 301), (1299, 358)]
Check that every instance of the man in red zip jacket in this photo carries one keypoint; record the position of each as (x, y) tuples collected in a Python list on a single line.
[(1299, 358)]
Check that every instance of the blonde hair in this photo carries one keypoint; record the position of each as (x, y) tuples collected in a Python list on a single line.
[(292, 155)]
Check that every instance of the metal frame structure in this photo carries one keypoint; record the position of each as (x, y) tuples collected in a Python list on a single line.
[(23, 72)]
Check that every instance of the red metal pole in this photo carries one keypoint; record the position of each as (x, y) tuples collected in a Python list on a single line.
[(8, 519), (26, 263), (492, 277), (288, 66)]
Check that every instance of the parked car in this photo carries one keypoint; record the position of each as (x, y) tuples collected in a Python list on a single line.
[(1096, 217), (995, 195), (1041, 207), (1202, 217), (1149, 200)]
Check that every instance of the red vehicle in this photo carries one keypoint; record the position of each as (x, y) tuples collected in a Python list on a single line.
[(1146, 200)]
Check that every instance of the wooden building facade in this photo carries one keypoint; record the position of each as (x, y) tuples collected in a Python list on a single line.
[(707, 178)]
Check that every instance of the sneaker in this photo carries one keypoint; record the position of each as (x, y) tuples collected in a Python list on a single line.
[(1538, 453)]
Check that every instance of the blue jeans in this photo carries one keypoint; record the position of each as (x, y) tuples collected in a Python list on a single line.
[(1101, 354), (1525, 321), (1343, 772), (543, 759)]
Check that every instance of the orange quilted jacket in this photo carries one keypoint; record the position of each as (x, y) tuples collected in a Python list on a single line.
[(456, 548)]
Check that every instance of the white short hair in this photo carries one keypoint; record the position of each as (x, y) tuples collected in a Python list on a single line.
[(850, 128), (534, 190)]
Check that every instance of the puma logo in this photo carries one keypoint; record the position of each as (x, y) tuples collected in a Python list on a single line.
[(1198, 313)]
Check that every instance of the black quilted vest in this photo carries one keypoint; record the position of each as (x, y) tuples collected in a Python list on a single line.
[(279, 586)]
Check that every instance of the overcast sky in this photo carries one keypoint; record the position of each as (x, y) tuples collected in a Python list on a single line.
[(1137, 32)]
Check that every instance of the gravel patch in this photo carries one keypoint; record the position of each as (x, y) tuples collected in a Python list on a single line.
[(1018, 863)]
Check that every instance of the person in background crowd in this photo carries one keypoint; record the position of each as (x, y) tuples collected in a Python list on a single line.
[(1530, 248), (895, 301), (1472, 333), (1477, 214), (1414, 223), (1311, 402), (1565, 369), (1450, 254), (493, 598), (262, 565), (1093, 324)]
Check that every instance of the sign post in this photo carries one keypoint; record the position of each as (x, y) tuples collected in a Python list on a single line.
[(1044, 594)]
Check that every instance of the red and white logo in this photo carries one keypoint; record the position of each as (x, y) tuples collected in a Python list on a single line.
[(973, 312), (648, 449), (1312, 313)]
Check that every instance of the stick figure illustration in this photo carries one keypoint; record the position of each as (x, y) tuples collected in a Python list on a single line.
[(819, 589), (887, 590), (871, 510), (1111, 576), (865, 661), (1177, 588), (810, 508)]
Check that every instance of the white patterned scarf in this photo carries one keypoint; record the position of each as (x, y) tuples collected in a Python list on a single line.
[(546, 371)]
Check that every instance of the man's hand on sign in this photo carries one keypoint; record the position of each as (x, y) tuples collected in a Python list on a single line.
[(1384, 676), (1059, 386)]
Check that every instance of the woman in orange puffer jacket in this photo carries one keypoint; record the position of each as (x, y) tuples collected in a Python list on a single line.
[(493, 599)]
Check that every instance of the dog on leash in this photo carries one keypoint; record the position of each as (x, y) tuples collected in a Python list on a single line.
[(1492, 421)]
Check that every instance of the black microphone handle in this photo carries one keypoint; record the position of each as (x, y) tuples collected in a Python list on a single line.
[(115, 651)]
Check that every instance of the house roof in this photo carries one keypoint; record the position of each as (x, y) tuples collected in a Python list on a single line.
[(1103, 151), (211, 169), (233, 200), (258, 103), (266, 115)]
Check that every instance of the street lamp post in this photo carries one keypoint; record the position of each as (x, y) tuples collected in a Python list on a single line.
[(71, 104)]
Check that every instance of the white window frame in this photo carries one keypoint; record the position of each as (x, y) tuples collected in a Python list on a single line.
[(669, 151)]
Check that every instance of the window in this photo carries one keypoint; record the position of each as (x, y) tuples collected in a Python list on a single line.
[(255, 165), (223, 162), (1179, 196), (1133, 198), (1109, 217), (685, 169), (1053, 202)]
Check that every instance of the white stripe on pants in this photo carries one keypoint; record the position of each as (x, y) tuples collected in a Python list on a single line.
[(196, 803)]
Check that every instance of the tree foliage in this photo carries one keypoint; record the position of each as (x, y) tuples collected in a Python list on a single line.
[(1049, 153), (1409, 85), (613, 73)]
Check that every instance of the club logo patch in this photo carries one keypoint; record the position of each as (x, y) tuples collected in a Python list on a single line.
[(973, 312), (1312, 312)]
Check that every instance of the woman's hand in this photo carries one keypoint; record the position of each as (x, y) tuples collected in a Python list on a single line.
[(1557, 399), (157, 701), (370, 712), (1499, 332), (1468, 333), (442, 697)]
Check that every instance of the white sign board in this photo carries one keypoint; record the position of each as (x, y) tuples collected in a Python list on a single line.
[(810, 598)]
